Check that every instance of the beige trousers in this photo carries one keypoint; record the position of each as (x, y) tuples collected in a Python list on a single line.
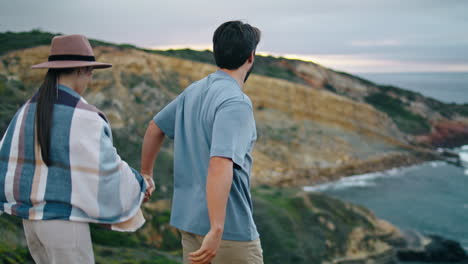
[(59, 242), (229, 252)]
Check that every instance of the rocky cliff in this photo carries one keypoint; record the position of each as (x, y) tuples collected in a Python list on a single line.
[(307, 133)]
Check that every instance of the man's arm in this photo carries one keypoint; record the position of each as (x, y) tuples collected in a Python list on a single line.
[(218, 185), (152, 143), (231, 137)]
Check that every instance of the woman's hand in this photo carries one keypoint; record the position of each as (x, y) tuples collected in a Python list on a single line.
[(150, 186)]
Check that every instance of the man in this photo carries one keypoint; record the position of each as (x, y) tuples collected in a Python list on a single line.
[(214, 131)]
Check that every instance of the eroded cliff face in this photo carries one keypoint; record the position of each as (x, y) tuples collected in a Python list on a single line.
[(447, 123), (303, 130)]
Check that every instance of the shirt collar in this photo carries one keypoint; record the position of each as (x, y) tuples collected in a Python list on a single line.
[(226, 76)]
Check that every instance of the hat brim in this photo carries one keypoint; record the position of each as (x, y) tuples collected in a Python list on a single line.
[(71, 64)]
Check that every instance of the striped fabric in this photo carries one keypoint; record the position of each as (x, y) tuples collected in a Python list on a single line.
[(86, 182)]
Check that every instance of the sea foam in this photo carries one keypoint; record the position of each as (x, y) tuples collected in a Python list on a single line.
[(464, 156), (359, 180), (367, 179)]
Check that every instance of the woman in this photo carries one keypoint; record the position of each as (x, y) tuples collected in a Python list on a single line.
[(59, 170)]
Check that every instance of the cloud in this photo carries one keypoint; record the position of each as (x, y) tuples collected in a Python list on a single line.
[(418, 32), (375, 43), (366, 63)]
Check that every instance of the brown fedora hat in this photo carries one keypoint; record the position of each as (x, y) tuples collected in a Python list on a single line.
[(71, 51)]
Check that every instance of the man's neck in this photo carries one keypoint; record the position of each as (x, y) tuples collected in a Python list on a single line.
[(237, 75)]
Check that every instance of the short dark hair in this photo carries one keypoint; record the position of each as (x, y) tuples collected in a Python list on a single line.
[(233, 42)]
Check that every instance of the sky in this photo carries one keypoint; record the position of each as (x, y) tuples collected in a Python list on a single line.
[(348, 35)]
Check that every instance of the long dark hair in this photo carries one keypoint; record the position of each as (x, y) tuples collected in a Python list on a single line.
[(45, 105)]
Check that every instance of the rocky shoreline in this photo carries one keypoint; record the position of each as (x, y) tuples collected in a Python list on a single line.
[(316, 176), (405, 245)]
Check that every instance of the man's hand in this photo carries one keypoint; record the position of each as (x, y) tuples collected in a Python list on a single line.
[(150, 186), (208, 249)]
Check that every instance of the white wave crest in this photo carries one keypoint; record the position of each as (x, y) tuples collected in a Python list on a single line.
[(367, 179), (464, 156), (360, 180), (338, 185), (436, 164)]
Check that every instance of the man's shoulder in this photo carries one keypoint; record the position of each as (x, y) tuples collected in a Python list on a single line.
[(227, 91)]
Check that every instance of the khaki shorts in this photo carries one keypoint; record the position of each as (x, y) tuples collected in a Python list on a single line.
[(229, 252)]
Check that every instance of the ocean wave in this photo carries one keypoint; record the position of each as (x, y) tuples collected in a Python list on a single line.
[(338, 185), (359, 180), (436, 164), (464, 156), (367, 179), (464, 147)]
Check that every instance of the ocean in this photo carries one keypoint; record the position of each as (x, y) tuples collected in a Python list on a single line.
[(431, 197), (450, 87)]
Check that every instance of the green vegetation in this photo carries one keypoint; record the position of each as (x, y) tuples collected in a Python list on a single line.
[(264, 65), (12, 97), (131, 80), (281, 134), (280, 68), (448, 110), (354, 77), (406, 120), (111, 238), (11, 251), (205, 56), (21, 40), (306, 228), (409, 95), (303, 225), (142, 255), (14, 254), (170, 80)]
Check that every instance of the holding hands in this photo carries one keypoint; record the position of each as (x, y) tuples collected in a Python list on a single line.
[(150, 186)]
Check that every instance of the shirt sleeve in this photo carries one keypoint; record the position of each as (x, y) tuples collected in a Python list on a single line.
[(165, 119), (233, 129)]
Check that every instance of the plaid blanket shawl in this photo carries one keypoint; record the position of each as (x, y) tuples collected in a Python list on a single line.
[(86, 182)]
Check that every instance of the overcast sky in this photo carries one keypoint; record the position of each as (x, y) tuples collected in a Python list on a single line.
[(349, 35)]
